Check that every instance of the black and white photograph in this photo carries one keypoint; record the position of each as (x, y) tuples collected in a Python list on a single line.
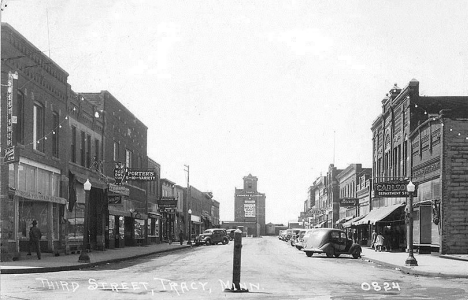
[(236, 149)]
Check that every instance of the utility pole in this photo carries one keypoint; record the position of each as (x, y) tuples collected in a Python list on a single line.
[(187, 206)]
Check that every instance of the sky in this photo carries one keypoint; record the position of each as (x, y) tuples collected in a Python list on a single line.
[(276, 89)]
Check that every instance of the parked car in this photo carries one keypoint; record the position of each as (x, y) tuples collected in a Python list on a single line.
[(295, 237), (282, 234), (212, 236), (230, 233), (291, 233), (332, 242), (300, 239)]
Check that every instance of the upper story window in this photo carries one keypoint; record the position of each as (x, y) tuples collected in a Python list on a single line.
[(128, 158), (38, 127), (88, 151), (96, 150), (20, 118), (116, 151), (73, 144), (55, 134), (83, 149)]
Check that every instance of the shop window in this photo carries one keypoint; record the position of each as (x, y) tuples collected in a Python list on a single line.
[(55, 184), (30, 179), (43, 180), (29, 211)]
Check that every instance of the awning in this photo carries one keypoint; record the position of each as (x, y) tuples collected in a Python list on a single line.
[(342, 220), (352, 221), (320, 224), (379, 214), (76, 221)]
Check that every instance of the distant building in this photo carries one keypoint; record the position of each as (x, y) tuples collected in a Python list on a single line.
[(249, 205)]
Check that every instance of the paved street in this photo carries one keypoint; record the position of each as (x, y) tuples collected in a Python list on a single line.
[(271, 269)]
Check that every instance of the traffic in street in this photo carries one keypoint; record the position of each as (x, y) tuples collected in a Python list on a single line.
[(271, 269)]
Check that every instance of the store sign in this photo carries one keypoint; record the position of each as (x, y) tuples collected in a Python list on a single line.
[(143, 175), (9, 156), (316, 212), (349, 202), (167, 202), (119, 173), (118, 189), (9, 101), (396, 188)]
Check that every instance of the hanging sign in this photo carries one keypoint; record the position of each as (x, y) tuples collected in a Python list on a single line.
[(349, 202), (142, 175)]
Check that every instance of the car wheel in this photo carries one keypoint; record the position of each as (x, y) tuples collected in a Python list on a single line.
[(309, 254), (356, 253), (330, 252), (337, 255), (225, 241), (208, 242)]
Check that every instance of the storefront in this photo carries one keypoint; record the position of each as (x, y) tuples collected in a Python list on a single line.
[(388, 221), (35, 196)]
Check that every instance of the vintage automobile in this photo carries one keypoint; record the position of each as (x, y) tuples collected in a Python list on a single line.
[(230, 233), (300, 239), (291, 233), (212, 236), (282, 234), (331, 241)]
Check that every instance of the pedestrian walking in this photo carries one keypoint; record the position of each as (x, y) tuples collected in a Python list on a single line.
[(373, 238), (181, 237), (35, 238)]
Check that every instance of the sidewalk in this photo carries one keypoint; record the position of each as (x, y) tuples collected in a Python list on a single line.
[(51, 263), (434, 265)]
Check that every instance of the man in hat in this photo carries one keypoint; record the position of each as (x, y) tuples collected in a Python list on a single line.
[(35, 238)]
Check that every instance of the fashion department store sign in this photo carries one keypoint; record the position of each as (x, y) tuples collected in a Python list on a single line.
[(396, 188)]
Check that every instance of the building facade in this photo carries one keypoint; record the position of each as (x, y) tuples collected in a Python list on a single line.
[(35, 89), (249, 204), (420, 138)]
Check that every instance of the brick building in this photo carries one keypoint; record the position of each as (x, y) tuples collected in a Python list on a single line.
[(36, 88), (249, 205), (421, 138)]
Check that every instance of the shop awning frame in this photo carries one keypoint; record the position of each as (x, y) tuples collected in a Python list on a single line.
[(378, 214), (352, 222)]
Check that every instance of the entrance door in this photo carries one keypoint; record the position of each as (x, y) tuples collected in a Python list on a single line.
[(426, 224)]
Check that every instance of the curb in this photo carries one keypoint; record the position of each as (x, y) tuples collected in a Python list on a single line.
[(412, 271), (85, 265)]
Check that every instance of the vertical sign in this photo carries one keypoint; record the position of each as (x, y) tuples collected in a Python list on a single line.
[(10, 109), (119, 173)]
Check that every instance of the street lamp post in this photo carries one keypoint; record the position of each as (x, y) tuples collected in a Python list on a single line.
[(189, 227), (410, 261), (84, 257)]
